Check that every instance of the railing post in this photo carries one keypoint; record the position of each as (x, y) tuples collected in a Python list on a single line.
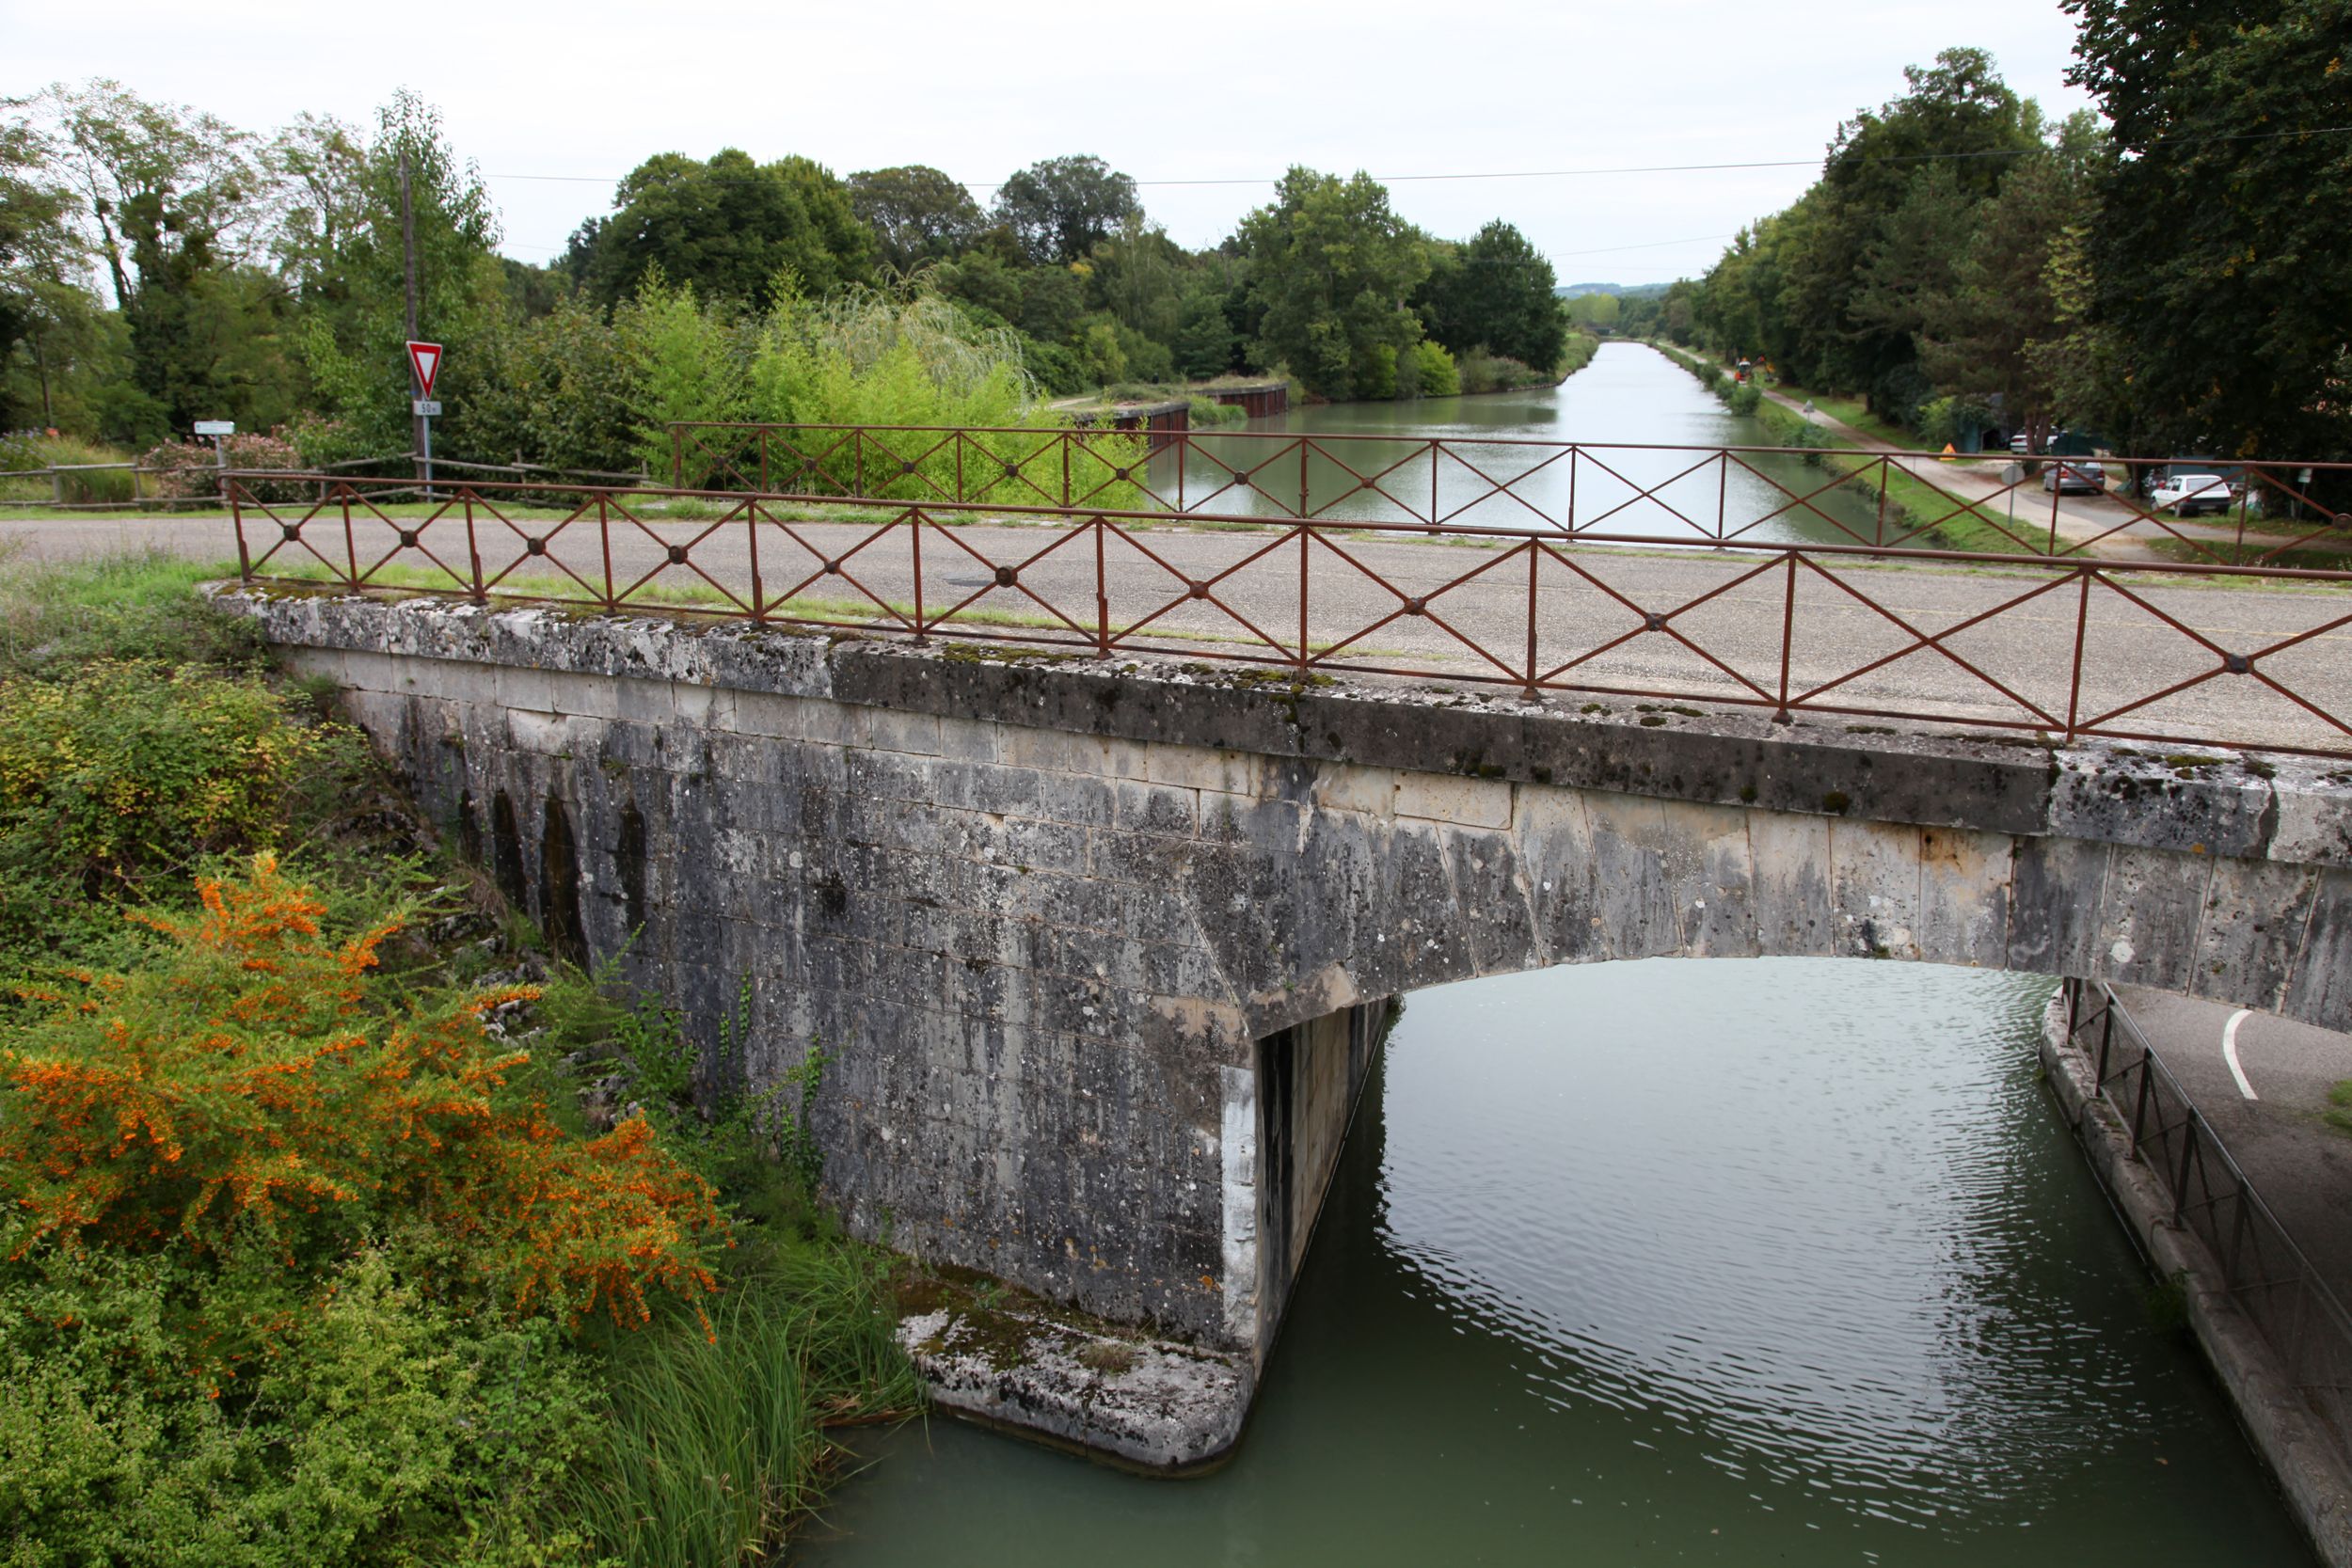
[(473, 550), (677, 455), (2074, 684), (604, 538), (236, 515), (1102, 594), (1304, 545), (750, 542), (1534, 559), (2139, 1102)]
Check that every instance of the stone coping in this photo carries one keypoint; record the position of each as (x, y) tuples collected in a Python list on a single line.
[(2205, 799)]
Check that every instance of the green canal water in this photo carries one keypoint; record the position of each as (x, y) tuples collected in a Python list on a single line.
[(1724, 1262), (1644, 423)]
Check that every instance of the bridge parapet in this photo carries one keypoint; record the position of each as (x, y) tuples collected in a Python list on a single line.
[(1044, 913)]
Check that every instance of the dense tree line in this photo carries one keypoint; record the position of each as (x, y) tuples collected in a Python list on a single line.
[(159, 266), (2173, 279)]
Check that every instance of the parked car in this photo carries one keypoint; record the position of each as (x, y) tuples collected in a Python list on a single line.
[(2189, 494), (2076, 474), (2021, 444)]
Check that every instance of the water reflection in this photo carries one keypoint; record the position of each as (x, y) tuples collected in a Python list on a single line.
[(1649, 424), (1722, 1261)]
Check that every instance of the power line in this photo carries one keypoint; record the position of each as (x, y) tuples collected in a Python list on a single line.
[(1568, 173)]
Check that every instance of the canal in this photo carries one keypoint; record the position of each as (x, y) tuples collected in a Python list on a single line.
[(1636, 414), (1731, 1261)]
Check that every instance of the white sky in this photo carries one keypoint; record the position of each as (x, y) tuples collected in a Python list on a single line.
[(1208, 91)]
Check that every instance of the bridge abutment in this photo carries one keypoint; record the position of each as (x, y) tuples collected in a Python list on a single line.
[(1097, 952)]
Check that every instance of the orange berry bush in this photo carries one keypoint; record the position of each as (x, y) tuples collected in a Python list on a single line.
[(246, 1097)]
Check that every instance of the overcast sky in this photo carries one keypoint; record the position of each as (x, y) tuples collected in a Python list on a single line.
[(1208, 91)]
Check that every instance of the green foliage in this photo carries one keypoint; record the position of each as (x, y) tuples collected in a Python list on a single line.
[(391, 1428), (412, 1407), (727, 228), (1495, 294), (1435, 372), (1058, 209), (350, 258), (1848, 287), (917, 214), (1331, 267), (121, 772), (687, 362), (718, 1445), (2216, 259)]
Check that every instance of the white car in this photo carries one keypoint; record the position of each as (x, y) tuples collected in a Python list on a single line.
[(2189, 494)]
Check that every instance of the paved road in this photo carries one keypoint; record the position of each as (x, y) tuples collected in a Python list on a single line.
[(1844, 619), (2301, 1166)]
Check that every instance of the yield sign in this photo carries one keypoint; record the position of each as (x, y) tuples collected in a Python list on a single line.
[(425, 360)]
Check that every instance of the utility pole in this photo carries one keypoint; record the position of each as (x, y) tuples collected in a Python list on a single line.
[(417, 437)]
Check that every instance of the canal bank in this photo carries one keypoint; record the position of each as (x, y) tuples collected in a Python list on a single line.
[(1727, 1262), (2177, 1208)]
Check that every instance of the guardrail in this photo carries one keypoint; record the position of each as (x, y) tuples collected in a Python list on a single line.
[(2059, 648), (60, 476), (1722, 495), (2265, 1273)]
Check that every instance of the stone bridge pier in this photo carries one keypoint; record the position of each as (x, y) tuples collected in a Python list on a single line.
[(1099, 952)]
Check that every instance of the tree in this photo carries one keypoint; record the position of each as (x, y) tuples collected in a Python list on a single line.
[(1828, 289), (1204, 339), (1061, 207), (917, 213), (1495, 293), (173, 200), (728, 227), (41, 259), (1986, 337), (2217, 255), (354, 297), (1330, 269)]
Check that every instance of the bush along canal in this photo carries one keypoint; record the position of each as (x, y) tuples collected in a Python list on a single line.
[(1722, 1261)]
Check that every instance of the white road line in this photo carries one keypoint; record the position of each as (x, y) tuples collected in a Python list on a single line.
[(2229, 1050)]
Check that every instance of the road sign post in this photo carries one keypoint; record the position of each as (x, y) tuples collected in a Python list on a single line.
[(219, 430), (424, 367)]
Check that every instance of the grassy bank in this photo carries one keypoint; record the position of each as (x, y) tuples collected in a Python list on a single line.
[(1909, 503), (326, 1245)]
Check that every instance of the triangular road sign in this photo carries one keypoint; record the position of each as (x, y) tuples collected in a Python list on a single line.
[(425, 360)]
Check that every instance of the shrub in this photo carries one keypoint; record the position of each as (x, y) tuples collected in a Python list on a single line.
[(244, 1094), (190, 470), (123, 770), (1438, 375)]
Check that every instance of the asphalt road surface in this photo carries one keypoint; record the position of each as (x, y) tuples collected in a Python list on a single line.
[(2006, 649), (2263, 1086)]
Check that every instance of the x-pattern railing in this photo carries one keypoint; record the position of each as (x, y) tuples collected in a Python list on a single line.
[(2065, 648), (2261, 1267), (1288, 475)]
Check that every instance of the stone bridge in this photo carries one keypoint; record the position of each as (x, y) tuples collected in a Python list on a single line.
[(1099, 951)]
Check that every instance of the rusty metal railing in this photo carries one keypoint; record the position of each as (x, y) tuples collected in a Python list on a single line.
[(2264, 1272), (1720, 495), (2059, 647)]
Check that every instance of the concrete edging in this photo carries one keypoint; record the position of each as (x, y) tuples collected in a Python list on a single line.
[(2314, 1473)]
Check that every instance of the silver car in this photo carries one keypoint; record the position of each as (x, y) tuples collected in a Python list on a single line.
[(2076, 475)]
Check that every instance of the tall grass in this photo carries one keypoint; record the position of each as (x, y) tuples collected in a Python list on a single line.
[(717, 1440), (20, 454)]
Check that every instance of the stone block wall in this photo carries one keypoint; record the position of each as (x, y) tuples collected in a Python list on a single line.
[(1039, 916)]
